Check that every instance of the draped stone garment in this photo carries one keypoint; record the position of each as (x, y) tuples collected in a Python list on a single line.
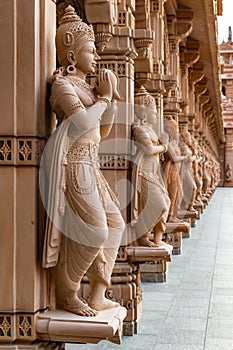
[(79, 202), (187, 176), (172, 178), (151, 201)]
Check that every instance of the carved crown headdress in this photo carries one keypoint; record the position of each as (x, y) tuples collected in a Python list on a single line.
[(144, 98), (171, 127), (72, 34)]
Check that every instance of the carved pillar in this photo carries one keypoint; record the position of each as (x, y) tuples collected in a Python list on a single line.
[(156, 85), (196, 73), (189, 55), (172, 106), (26, 27), (179, 22)]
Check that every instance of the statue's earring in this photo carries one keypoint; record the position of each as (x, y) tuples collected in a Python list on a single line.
[(144, 120), (71, 69)]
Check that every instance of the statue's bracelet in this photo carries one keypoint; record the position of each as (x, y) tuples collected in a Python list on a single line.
[(165, 149), (106, 100)]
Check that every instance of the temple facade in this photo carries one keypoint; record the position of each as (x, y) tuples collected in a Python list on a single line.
[(166, 47), (226, 60)]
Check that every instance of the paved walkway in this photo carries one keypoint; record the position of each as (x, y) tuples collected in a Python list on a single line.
[(193, 310)]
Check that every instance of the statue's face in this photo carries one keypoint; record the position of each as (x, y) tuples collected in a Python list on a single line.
[(86, 58), (152, 116), (187, 138)]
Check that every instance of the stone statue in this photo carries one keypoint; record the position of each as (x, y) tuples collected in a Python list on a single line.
[(206, 175), (151, 201), (172, 167), (197, 158), (84, 224), (187, 174), (211, 172), (198, 171)]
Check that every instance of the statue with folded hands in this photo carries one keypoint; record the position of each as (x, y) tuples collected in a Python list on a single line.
[(151, 202), (84, 225)]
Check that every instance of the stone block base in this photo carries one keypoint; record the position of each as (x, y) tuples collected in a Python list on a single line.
[(128, 328), (199, 207), (205, 201), (174, 239), (186, 235), (63, 326), (154, 277), (125, 289), (174, 234), (190, 215), (154, 271), (154, 266)]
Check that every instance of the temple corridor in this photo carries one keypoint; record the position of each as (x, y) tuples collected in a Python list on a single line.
[(193, 310)]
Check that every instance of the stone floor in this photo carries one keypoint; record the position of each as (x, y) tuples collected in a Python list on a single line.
[(193, 310)]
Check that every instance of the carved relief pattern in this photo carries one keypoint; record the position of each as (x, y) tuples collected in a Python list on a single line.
[(113, 161), (6, 150), (155, 5), (119, 68), (155, 68), (6, 323), (24, 326), (122, 18), (129, 304), (122, 254), (23, 150), (110, 295), (173, 45)]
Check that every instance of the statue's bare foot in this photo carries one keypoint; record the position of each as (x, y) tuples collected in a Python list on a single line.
[(162, 244), (103, 305), (190, 208), (174, 220), (159, 244), (76, 306), (145, 242)]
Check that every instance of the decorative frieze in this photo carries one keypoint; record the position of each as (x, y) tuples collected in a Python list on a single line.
[(118, 67), (114, 161), (122, 254), (17, 327), (6, 327), (155, 5), (19, 150), (25, 327), (6, 150)]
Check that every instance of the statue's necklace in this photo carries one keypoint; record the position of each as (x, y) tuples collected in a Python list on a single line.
[(81, 84)]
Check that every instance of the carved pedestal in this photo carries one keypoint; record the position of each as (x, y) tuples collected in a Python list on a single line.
[(59, 325), (173, 235), (153, 261), (126, 287), (191, 216), (205, 201), (199, 206), (126, 290)]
